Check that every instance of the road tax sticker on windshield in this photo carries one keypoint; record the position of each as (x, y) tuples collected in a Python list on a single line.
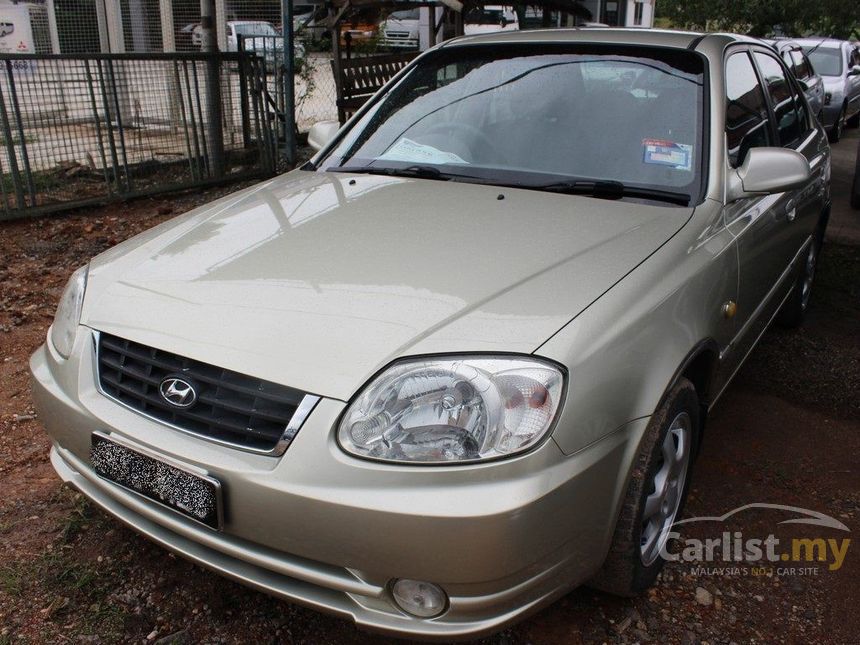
[(668, 153), (409, 150)]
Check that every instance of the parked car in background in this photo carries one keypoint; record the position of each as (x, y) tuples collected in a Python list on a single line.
[(188, 37), (489, 19), (401, 29), (804, 71), (838, 63), (259, 37), (303, 15), (460, 362)]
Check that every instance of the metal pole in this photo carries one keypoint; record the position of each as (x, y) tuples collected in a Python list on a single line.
[(213, 89), (289, 82)]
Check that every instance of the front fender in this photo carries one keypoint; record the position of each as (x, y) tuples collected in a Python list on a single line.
[(627, 348)]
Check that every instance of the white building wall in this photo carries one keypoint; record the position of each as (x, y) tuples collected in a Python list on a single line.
[(647, 8)]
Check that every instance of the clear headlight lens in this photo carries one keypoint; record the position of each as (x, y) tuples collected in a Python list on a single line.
[(453, 410), (69, 313)]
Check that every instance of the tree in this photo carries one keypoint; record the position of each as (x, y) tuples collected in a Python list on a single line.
[(765, 17)]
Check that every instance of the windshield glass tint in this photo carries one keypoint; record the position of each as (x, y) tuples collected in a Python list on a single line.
[(406, 14), (616, 113), (484, 17), (827, 61)]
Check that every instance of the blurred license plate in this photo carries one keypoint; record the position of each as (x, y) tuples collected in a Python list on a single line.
[(195, 496)]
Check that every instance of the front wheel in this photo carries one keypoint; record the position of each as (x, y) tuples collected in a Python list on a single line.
[(835, 133), (655, 495)]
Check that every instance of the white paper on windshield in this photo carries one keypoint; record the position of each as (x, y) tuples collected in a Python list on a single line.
[(409, 150), (668, 153)]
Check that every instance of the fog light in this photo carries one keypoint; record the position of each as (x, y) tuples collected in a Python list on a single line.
[(422, 599)]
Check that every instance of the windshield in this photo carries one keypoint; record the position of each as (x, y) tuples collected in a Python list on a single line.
[(487, 16), (529, 116), (256, 29), (405, 14), (827, 61)]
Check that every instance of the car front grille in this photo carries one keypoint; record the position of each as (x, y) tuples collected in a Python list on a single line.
[(232, 408)]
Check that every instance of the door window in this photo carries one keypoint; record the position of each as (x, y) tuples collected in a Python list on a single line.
[(800, 64), (747, 124), (780, 89)]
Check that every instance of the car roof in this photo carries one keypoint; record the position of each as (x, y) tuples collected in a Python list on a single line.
[(614, 35), (782, 43), (828, 43)]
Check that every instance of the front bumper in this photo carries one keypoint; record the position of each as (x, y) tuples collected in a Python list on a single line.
[(403, 43), (320, 528)]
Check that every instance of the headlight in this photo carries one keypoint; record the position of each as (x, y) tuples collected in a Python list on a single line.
[(69, 313), (453, 409)]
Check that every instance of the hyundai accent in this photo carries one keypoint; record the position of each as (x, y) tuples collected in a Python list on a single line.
[(461, 361)]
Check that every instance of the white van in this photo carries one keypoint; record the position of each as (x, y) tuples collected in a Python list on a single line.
[(401, 29)]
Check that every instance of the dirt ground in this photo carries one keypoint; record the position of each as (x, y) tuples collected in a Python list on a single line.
[(787, 431)]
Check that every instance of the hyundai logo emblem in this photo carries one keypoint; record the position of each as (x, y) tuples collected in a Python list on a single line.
[(177, 392)]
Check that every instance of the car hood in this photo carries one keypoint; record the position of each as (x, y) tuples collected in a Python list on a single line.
[(317, 280)]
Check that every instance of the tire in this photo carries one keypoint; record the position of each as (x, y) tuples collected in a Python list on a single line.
[(631, 567), (835, 132), (855, 187), (794, 309)]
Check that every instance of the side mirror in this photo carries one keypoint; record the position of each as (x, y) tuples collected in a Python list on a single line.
[(804, 86), (766, 171), (321, 134), (854, 71)]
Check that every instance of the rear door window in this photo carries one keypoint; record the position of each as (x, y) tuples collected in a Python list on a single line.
[(800, 65), (780, 90), (747, 124)]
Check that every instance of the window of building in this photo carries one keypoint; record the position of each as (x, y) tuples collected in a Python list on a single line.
[(638, 11)]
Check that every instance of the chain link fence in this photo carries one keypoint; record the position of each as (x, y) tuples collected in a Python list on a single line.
[(86, 128), (155, 26)]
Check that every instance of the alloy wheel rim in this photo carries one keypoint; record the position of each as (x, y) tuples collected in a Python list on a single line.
[(808, 277), (666, 489)]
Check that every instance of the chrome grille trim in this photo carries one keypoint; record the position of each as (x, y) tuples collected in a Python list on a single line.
[(302, 410)]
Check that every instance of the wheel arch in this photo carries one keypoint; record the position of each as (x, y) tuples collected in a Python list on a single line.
[(700, 368)]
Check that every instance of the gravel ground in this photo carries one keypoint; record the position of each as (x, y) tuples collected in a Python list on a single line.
[(786, 432)]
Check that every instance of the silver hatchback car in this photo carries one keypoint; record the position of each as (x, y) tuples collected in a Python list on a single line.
[(838, 62), (460, 362)]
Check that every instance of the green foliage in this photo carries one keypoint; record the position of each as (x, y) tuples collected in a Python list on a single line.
[(838, 18)]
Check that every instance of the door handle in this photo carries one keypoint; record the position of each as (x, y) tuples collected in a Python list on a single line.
[(791, 210)]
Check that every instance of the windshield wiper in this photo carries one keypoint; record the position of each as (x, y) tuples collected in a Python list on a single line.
[(422, 172), (607, 189)]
